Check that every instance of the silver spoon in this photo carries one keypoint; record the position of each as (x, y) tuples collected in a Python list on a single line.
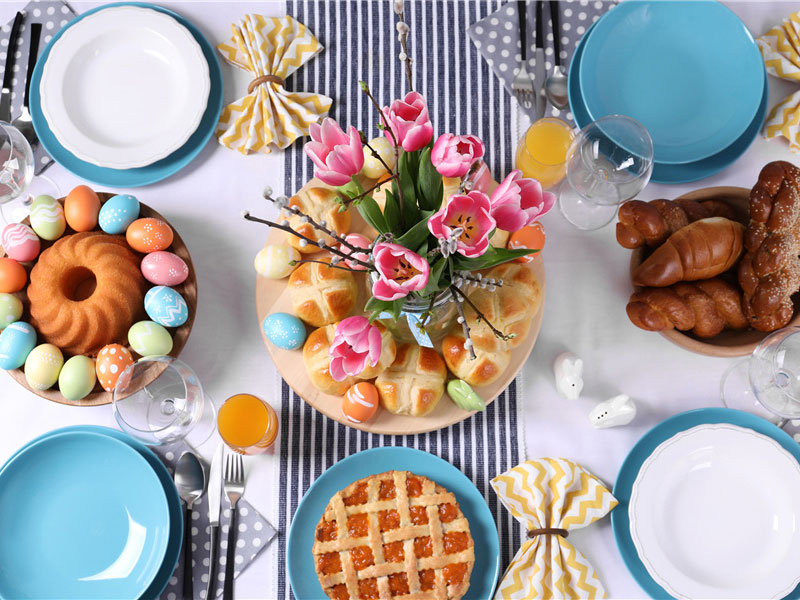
[(190, 479), (555, 86)]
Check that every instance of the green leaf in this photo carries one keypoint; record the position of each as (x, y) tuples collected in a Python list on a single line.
[(351, 189), (391, 212), (433, 279), (378, 305), (406, 176), (416, 235), (430, 187), (397, 308), (492, 258), (372, 214)]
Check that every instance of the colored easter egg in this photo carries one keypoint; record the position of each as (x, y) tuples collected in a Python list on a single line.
[(20, 242), (164, 268), (16, 342), (149, 339), (118, 212), (10, 309), (112, 360), (149, 235), (47, 217), (286, 331), (360, 402), (81, 208), (166, 306), (13, 276), (273, 261), (359, 241), (373, 167), (531, 236), (77, 378), (43, 366), (463, 396)]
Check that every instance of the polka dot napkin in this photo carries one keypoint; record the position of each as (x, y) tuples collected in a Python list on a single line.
[(254, 534), (497, 38)]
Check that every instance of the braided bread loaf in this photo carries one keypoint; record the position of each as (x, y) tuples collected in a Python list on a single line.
[(651, 223), (769, 272), (706, 307)]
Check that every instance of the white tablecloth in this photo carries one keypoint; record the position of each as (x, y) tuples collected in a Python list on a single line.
[(587, 289)]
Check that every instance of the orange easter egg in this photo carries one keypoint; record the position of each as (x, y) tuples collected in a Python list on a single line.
[(531, 237), (13, 276), (149, 235), (81, 208), (360, 402), (112, 360)]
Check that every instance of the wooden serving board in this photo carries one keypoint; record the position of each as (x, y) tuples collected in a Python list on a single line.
[(273, 296), (188, 289)]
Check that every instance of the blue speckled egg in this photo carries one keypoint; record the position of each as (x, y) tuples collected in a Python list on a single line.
[(166, 306), (286, 331), (16, 342), (118, 212)]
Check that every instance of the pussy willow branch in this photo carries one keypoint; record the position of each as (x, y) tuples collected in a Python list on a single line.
[(403, 37), (322, 262), (462, 317), (482, 281), (464, 180), (498, 334), (366, 192)]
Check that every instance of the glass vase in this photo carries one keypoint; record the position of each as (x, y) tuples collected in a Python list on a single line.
[(437, 320)]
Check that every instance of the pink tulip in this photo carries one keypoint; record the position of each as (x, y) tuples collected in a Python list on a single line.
[(400, 271), (518, 202), (359, 241), (408, 119), (336, 155), (469, 212), (356, 343), (453, 155)]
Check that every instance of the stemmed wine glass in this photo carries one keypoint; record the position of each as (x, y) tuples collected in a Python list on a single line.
[(16, 164), (609, 162)]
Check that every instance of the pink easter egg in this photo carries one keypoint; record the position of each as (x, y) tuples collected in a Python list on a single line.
[(359, 241), (164, 268), (20, 242)]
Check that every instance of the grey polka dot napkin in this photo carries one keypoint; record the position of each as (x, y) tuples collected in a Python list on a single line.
[(497, 38), (254, 534)]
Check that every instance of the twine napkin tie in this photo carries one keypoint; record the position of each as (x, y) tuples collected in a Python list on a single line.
[(550, 497), (269, 116), (780, 48)]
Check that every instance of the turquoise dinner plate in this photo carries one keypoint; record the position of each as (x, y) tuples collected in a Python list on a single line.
[(645, 447), (141, 175), (690, 72), (377, 460), (668, 173), (173, 552), (88, 511)]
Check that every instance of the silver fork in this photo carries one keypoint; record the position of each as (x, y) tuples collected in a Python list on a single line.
[(233, 478), (522, 86)]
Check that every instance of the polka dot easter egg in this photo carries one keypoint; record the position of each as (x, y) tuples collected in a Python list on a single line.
[(166, 306), (531, 237), (286, 331), (43, 366), (164, 268), (112, 360), (81, 208), (47, 218), (149, 235), (16, 342), (273, 261), (117, 213), (13, 276), (149, 339), (360, 403), (77, 378), (10, 309), (20, 242)]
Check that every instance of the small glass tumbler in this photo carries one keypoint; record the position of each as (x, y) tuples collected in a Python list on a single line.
[(542, 151), (247, 424)]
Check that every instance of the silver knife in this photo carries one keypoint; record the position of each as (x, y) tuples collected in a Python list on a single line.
[(214, 502), (8, 76), (539, 70)]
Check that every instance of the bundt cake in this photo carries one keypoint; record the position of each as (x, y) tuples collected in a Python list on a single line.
[(85, 292)]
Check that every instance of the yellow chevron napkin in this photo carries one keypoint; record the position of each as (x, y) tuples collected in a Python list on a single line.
[(780, 47), (550, 497), (269, 116)]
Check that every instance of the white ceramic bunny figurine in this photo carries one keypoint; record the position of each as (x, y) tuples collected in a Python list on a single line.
[(616, 411), (568, 370)]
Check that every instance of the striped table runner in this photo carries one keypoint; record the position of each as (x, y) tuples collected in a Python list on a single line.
[(463, 97)]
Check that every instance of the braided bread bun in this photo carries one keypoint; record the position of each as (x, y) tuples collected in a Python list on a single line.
[(322, 294), (320, 204), (706, 307), (486, 368), (769, 273)]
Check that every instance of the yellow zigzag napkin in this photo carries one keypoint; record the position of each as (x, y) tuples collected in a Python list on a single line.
[(780, 47), (271, 48), (551, 493)]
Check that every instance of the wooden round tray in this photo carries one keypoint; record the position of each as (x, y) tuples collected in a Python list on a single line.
[(730, 342), (188, 289), (272, 296)]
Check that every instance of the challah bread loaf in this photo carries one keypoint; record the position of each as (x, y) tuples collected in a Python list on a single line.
[(320, 204), (486, 368)]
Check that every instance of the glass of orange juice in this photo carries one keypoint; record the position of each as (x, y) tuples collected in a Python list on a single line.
[(247, 424), (542, 151)]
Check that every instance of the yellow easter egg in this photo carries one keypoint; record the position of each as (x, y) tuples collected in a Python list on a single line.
[(273, 261)]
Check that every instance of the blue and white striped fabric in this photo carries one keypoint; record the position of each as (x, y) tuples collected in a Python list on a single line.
[(463, 97)]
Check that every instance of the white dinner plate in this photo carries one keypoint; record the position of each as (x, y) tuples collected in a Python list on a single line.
[(125, 87), (714, 513)]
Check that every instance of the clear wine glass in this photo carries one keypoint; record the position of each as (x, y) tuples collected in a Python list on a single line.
[(609, 162), (159, 400), (16, 164)]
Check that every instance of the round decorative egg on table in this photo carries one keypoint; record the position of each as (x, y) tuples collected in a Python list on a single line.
[(43, 365), (360, 402), (81, 208), (149, 339), (164, 268), (13, 276), (273, 261), (111, 362), (286, 331), (77, 378), (166, 306), (149, 235), (118, 213), (47, 218), (10, 309), (20, 242), (16, 342), (532, 237)]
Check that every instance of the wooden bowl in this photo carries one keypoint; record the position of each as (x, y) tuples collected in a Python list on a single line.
[(188, 289), (729, 342), (273, 296)]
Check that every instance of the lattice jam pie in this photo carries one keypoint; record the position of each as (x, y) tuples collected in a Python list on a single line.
[(393, 535)]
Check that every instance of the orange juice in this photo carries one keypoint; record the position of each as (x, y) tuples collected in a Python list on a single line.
[(542, 152), (247, 424)]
